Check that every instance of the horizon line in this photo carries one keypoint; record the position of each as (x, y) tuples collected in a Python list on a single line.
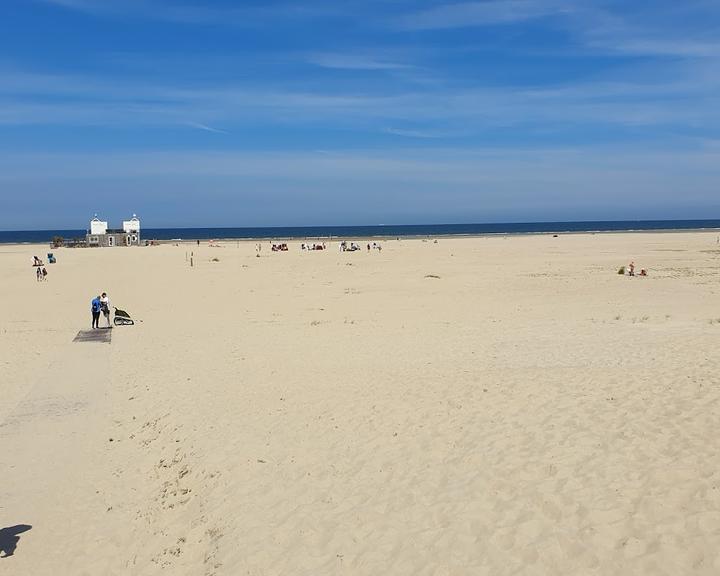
[(315, 226)]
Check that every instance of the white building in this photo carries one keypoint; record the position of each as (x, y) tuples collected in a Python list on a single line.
[(132, 229), (100, 235), (132, 226)]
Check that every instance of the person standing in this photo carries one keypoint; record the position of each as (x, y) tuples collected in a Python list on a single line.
[(105, 307), (95, 308), (38, 274)]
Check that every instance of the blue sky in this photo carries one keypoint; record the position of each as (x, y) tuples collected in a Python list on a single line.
[(220, 113)]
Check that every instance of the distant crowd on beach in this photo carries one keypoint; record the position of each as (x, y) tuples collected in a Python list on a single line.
[(313, 246), (344, 246), (353, 247)]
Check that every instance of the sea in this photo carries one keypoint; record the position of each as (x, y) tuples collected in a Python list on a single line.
[(405, 231)]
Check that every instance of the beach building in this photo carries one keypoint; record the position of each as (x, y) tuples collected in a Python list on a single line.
[(100, 235)]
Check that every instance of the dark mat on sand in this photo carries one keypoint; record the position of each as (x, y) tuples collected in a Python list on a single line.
[(97, 335)]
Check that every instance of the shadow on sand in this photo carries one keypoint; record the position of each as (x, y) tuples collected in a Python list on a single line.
[(9, 539)]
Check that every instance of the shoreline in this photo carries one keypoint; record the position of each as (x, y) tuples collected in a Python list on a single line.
[(396, 237), (383, 231)]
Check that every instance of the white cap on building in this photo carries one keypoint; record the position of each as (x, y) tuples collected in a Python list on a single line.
[(97, 226), (132, 226)]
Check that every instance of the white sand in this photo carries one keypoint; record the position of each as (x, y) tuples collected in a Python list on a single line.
[(528, 412)]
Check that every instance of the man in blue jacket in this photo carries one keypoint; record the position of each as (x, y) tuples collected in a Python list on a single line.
[(95, 308)]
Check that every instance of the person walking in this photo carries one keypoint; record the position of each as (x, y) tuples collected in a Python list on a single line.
[(95, 308), (105, 307)]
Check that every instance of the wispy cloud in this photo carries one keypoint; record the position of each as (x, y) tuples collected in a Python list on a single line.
[(84, 5), (355, 61), (105, 8), (484, 13), (642, 43), (206, 128), (670, 29), (434, 113), (200, 13), (424, 134), (675, 29), (440, 164)]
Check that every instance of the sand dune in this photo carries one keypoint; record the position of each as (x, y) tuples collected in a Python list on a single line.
[(476, 406)]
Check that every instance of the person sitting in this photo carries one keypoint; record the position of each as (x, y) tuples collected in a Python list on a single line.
[(37, 261), (643, 272)]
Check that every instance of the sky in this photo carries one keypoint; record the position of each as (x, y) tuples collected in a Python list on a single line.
[(319, 112)]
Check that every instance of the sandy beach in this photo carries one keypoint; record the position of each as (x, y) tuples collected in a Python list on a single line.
[(479, 406)]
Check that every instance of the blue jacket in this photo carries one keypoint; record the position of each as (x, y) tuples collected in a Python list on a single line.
[(95, 305)]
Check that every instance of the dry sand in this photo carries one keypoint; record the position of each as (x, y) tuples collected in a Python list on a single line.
[(527, 412)]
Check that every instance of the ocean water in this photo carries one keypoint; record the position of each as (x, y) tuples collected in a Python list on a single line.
[(44, 236)]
